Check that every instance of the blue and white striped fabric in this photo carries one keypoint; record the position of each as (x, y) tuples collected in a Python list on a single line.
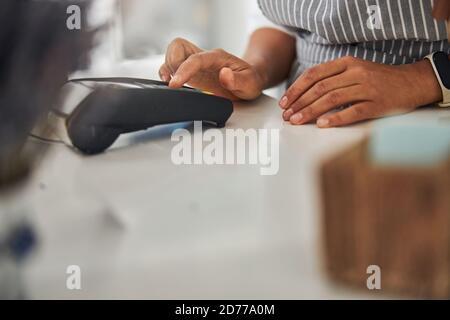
[(330, 29)]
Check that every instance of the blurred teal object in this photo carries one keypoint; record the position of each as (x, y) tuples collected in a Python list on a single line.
[(409, 144)]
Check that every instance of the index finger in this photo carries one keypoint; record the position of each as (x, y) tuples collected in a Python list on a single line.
[(355, 113), (177, 52), (311, 77), (194, 64)]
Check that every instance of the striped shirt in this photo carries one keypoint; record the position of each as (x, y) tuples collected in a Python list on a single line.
[(382, 31)]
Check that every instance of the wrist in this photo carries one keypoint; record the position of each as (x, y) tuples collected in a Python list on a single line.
[(425, 82)]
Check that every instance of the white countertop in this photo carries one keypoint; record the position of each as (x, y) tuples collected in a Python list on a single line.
[(141, 227)]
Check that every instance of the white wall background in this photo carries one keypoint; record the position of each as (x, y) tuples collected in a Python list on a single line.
[(230, 24), (149, 25), (140, 31)]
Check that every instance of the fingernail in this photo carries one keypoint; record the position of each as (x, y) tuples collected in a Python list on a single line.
[(297, 118), (323, 123), (175, 79), (287, 114), (284, 102)]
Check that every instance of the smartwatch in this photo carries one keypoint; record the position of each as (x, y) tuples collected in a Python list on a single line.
[(441, 66)]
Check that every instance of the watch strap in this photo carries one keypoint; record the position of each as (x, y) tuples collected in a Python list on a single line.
[(445, 91)]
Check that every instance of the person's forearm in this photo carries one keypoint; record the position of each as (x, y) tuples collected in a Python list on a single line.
[(272, 53)]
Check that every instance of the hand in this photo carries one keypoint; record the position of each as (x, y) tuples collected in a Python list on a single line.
[(370, 90), (214, 71), (441, 9)]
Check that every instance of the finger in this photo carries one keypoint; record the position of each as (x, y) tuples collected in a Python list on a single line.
[(328, 102), (321, 88), (311, 77), (194, 64), (164, 73), (174, 58), (177, 52), (357, 112)]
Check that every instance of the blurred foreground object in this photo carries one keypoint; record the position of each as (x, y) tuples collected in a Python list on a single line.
[(37, 53), (17, 239), (387, 204)]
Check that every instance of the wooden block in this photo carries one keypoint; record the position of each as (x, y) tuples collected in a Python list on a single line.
[(447, 23), (395, 218)]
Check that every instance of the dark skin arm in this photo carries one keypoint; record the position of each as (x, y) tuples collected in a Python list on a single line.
[(266, 46), (372, 90), (267, 62)]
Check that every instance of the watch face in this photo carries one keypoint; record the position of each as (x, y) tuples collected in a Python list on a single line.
[(442, 63)]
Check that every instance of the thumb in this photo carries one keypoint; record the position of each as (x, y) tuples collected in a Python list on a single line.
[(241, 83), (227, 79)]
